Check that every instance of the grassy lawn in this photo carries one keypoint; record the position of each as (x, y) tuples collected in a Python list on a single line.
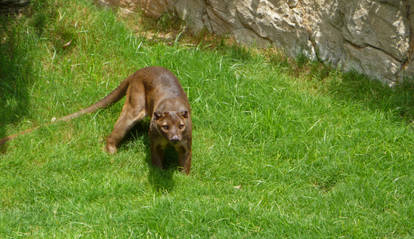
[(281, 149)]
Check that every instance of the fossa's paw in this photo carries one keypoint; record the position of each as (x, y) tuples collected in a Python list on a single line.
[(110, 149)]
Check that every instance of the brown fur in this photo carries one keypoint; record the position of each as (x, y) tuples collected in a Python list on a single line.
[(155, 92)]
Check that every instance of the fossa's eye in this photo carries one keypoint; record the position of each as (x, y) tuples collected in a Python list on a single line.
[(165, 127), (181, 126)]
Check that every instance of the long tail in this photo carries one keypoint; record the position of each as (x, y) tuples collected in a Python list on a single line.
[(111, 98), (10, 137)]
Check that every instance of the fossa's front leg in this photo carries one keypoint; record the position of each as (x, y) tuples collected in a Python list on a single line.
[(157, 154), (184, 158)]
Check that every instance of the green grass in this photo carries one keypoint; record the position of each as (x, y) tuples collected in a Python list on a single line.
[(280, 150)]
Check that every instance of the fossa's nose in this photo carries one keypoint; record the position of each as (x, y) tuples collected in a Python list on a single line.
[(175, 139)]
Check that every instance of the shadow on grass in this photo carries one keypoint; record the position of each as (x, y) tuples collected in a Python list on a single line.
[(20, 39), (399, 100), (16, 73), (352, 86), (160, 180)]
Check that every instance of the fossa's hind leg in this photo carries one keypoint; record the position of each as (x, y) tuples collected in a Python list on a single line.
[(132, 112)]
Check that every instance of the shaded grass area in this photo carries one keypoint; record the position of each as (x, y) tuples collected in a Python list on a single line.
[(16, 70), (281, 149)]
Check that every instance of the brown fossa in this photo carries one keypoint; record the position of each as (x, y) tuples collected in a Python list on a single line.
[(155, 92)]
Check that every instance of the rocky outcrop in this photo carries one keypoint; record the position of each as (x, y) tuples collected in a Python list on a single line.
[(374, 37)]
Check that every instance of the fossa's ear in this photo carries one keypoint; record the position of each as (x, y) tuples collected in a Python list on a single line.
[(157, 115), (184, 114)]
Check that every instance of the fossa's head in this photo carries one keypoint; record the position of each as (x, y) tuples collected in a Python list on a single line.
[(171, 124)]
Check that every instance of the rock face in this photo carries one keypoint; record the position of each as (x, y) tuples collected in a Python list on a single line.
[(374, 37)]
